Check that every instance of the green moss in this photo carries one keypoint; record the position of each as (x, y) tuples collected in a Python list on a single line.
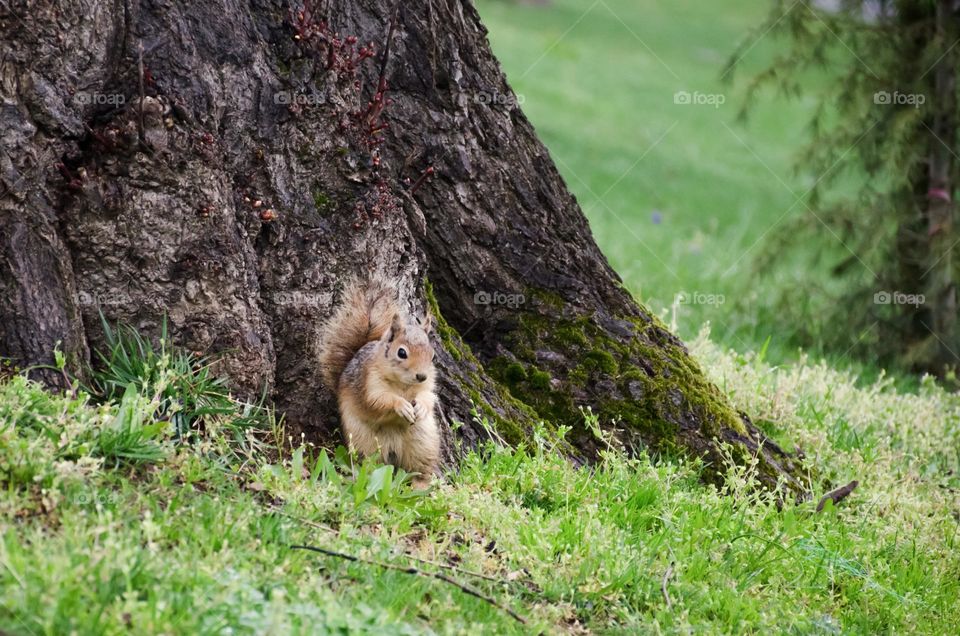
[(534, 387), (603, 361), (548, 298), (512, 431), (572, 333), (643, 422), (633, 375), (448, 335), (578, 376), (322, 202), (650, 401), (540, 380), (648, 383), (515, 373)]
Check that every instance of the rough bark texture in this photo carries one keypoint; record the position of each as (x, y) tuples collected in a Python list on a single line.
[(243, 172), (940, 284), (927, 234)]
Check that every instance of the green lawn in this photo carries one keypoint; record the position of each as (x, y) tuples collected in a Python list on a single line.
[(678, 195), (114, 520)]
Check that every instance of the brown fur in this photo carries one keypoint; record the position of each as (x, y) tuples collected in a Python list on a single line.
[(364, 314), (386, 409)]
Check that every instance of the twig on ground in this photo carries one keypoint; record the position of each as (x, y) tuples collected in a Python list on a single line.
[(417, 572), (663, 585), (439, 564), (313, 524), (450, 566), (838, 495)]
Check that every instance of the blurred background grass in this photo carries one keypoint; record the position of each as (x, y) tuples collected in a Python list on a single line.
[(680, 197)]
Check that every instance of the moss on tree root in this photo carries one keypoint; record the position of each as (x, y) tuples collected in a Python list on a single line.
[(636, 376), (651, 385), (513, 430)]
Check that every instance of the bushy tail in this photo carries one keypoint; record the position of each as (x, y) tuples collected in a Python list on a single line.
[(364, 314)]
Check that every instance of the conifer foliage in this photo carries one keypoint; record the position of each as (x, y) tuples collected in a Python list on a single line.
[(879, 220)]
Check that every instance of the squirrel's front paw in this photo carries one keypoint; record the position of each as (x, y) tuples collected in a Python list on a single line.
[(406, 410), (420, 411)]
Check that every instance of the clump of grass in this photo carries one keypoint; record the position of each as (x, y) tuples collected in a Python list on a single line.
[(190, 395), (141, 404), (359, 482), (132, 435), (70, 428)]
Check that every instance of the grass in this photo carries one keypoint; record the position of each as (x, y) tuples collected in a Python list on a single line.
[(680, 197), (196, 538), (153, 502), (186, 388)]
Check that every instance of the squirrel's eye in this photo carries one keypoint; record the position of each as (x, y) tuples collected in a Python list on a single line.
[(402, 353)]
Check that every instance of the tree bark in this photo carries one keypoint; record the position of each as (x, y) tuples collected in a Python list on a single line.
[(927, 234), (232, 179), (940, 283)]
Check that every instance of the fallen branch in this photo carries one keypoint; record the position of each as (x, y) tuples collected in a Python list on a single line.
[(838, 495), (417, 572), (312, 524), (439, 564), (663, 585)]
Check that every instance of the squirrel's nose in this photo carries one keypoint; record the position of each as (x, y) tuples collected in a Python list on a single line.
[(421, 377)]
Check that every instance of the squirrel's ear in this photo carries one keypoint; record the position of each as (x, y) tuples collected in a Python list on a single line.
[(396, 328), (428, 322)]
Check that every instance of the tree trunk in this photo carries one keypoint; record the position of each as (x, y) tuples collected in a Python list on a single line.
[(926, 270), (228, 163), (940, 284)]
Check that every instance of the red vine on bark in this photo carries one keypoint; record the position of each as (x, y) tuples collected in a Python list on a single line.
[(342, 57)]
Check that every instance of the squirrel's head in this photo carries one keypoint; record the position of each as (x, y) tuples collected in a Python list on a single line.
[(407, 350)]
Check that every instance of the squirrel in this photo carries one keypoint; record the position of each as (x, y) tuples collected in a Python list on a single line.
[(379, 362)]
